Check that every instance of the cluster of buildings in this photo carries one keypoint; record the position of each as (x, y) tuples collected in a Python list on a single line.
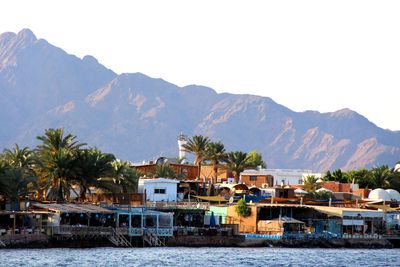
[(166, 207)]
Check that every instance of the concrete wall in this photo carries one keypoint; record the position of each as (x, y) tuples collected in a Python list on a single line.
[(150, 185), (246, 224)]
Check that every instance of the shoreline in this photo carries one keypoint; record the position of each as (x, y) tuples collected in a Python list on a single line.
[(43, 241)]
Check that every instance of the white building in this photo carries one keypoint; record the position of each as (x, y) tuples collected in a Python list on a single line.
[(160, 189), (282, 176)]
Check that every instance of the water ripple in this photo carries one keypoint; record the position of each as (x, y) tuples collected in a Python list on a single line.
[(193, 257)]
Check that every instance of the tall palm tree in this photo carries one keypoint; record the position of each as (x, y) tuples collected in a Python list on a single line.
[(18, 157), (254, 159), (381, 176), (55, 162), (91, 164), (310, 183), (237, 162), (16, 183), (124, 179), (165, 170), (197, 145), (215, 154), (339, 176)]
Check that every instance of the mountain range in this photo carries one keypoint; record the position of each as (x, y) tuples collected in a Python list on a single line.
[(137, 117)]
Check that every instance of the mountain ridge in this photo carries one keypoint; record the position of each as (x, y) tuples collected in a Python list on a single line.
[(138, 117)]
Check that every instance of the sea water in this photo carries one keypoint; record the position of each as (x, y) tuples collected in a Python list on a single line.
[(179, 256)]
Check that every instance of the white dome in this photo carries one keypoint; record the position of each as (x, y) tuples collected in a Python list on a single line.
[(393, 194), (397, 167), (379, 194)]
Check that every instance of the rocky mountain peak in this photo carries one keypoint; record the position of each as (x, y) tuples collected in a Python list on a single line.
[(138, 117), (26, 36)]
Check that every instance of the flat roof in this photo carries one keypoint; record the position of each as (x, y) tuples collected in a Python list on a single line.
[(72, 208), (338, 211)]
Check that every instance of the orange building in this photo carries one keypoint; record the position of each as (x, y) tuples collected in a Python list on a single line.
[(260, 181), (337, 187), (246, 224), (207, 171)]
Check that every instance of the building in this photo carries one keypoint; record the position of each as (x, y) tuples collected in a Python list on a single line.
[(183, 171), (270, 177), (223, 173), (340, 187), (160, 189)]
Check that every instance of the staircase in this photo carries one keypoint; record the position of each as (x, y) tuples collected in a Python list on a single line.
[(2, 244), (119, 240), (153, 240)]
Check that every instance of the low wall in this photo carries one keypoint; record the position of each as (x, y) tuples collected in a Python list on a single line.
[(318, 243), (204, 241), (26, 240)]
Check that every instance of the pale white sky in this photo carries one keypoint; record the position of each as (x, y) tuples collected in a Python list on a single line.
[(306, 55)]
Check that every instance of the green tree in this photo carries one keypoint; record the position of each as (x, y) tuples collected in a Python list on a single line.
[(254, 159), (362, 177), (197, 145), (18, 157), (215, 154), (310, 183), (242, 209), (123, 180), (237, 162), (323, 195), (91, 164), (165, 170), (339, 176), (55, 162), (16, 183), (381, 176)]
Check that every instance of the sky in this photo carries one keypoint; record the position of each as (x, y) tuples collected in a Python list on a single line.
[(306, 55)]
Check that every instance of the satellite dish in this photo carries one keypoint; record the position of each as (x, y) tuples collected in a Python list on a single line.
[(230, 200)]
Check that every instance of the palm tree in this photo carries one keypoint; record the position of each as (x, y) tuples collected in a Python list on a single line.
[(17, 157), (124, 179), (339, 176), (237, 162), (91, 164), (197, 145), (381, 176), (16, 183), (215, 154), (165, 170), (254, 159), (310, 183), (55, 162)]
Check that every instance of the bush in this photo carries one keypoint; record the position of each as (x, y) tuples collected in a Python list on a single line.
[(242, 209)]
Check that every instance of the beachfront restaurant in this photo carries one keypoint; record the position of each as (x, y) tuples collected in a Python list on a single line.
[(138, 221), (357, 223), (22, 222), (73, 216)]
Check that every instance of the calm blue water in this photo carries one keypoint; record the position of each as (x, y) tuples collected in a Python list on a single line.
[(209, 257)]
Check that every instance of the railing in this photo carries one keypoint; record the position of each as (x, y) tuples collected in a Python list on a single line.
[(135, 231), (78, 230), (263, 236), (160, 231), (180, 205), (221, 231), (361, 236)]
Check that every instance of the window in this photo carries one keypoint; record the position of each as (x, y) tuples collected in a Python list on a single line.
[(253, 178), (159, 190)]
